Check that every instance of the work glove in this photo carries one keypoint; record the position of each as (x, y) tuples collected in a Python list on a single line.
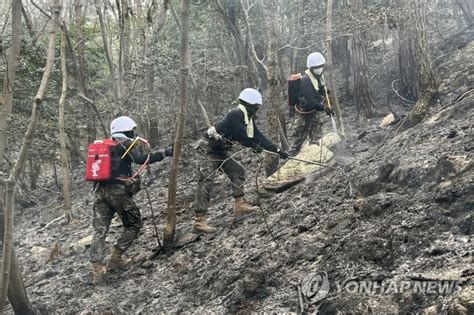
[(169, 151), (213, 134), (283, 155), (328, 111)]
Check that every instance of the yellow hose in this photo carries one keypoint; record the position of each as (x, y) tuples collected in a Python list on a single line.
[(327, 97), (129, 148)]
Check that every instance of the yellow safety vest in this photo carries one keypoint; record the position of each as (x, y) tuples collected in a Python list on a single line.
[(313, 79), (248, 121)]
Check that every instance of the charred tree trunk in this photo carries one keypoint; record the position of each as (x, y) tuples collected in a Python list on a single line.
[(426, 85), (170, 227), (347, 66), (273, 98), (347, 60), (407, 62), (329, 67), (361, 70), (426, 80)]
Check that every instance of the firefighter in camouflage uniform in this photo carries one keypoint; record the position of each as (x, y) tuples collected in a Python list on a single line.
[(116, 196), (312, 92), (213, 150)]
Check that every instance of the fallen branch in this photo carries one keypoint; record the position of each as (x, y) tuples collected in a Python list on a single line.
[(262, 161), (229, 294), (398, 94), (52, 222), (41, 9), (386, 138), (153, 218), (85, 98), (300, 298)]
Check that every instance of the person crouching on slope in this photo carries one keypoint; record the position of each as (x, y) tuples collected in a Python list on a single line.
[(237, 126), (116, 196)]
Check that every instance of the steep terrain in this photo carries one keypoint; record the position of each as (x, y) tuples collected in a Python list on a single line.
[(397, 207)]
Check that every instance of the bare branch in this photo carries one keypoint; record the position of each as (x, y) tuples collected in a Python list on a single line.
[(41, 9)]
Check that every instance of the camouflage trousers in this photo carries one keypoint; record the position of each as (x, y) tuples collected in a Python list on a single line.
[(209, 163), (305, 126), (109, 200)]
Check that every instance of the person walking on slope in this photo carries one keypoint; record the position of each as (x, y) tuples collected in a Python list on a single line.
[(312, 91), (116, 196), (237, 126)]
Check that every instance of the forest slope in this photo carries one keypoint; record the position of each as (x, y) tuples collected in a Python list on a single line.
[(399, 213)]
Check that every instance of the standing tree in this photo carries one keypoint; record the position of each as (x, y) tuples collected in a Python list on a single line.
[(11, 285), (170, 227), (7, 222), (270, 68), (407, 61), (124, 48), (360, 68), (6, 98), (424, 82), (229, 12), (329, 66), (62, 134), (113, 73), (82, 68), (273, 99), (150, 119)]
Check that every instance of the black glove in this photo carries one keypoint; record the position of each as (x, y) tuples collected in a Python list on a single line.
[(259, 149), (169, 151), (132, 186), (328, 111), (283, 155)]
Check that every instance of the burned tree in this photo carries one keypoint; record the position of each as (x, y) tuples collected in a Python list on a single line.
[(360, 69), (416, 74)]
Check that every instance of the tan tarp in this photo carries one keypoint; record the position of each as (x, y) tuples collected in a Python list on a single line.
[(387, 120), (295, 171)]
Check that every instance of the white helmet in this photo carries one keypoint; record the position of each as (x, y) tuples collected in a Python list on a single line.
[(315, 59), (122, 124), (251, 96)]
